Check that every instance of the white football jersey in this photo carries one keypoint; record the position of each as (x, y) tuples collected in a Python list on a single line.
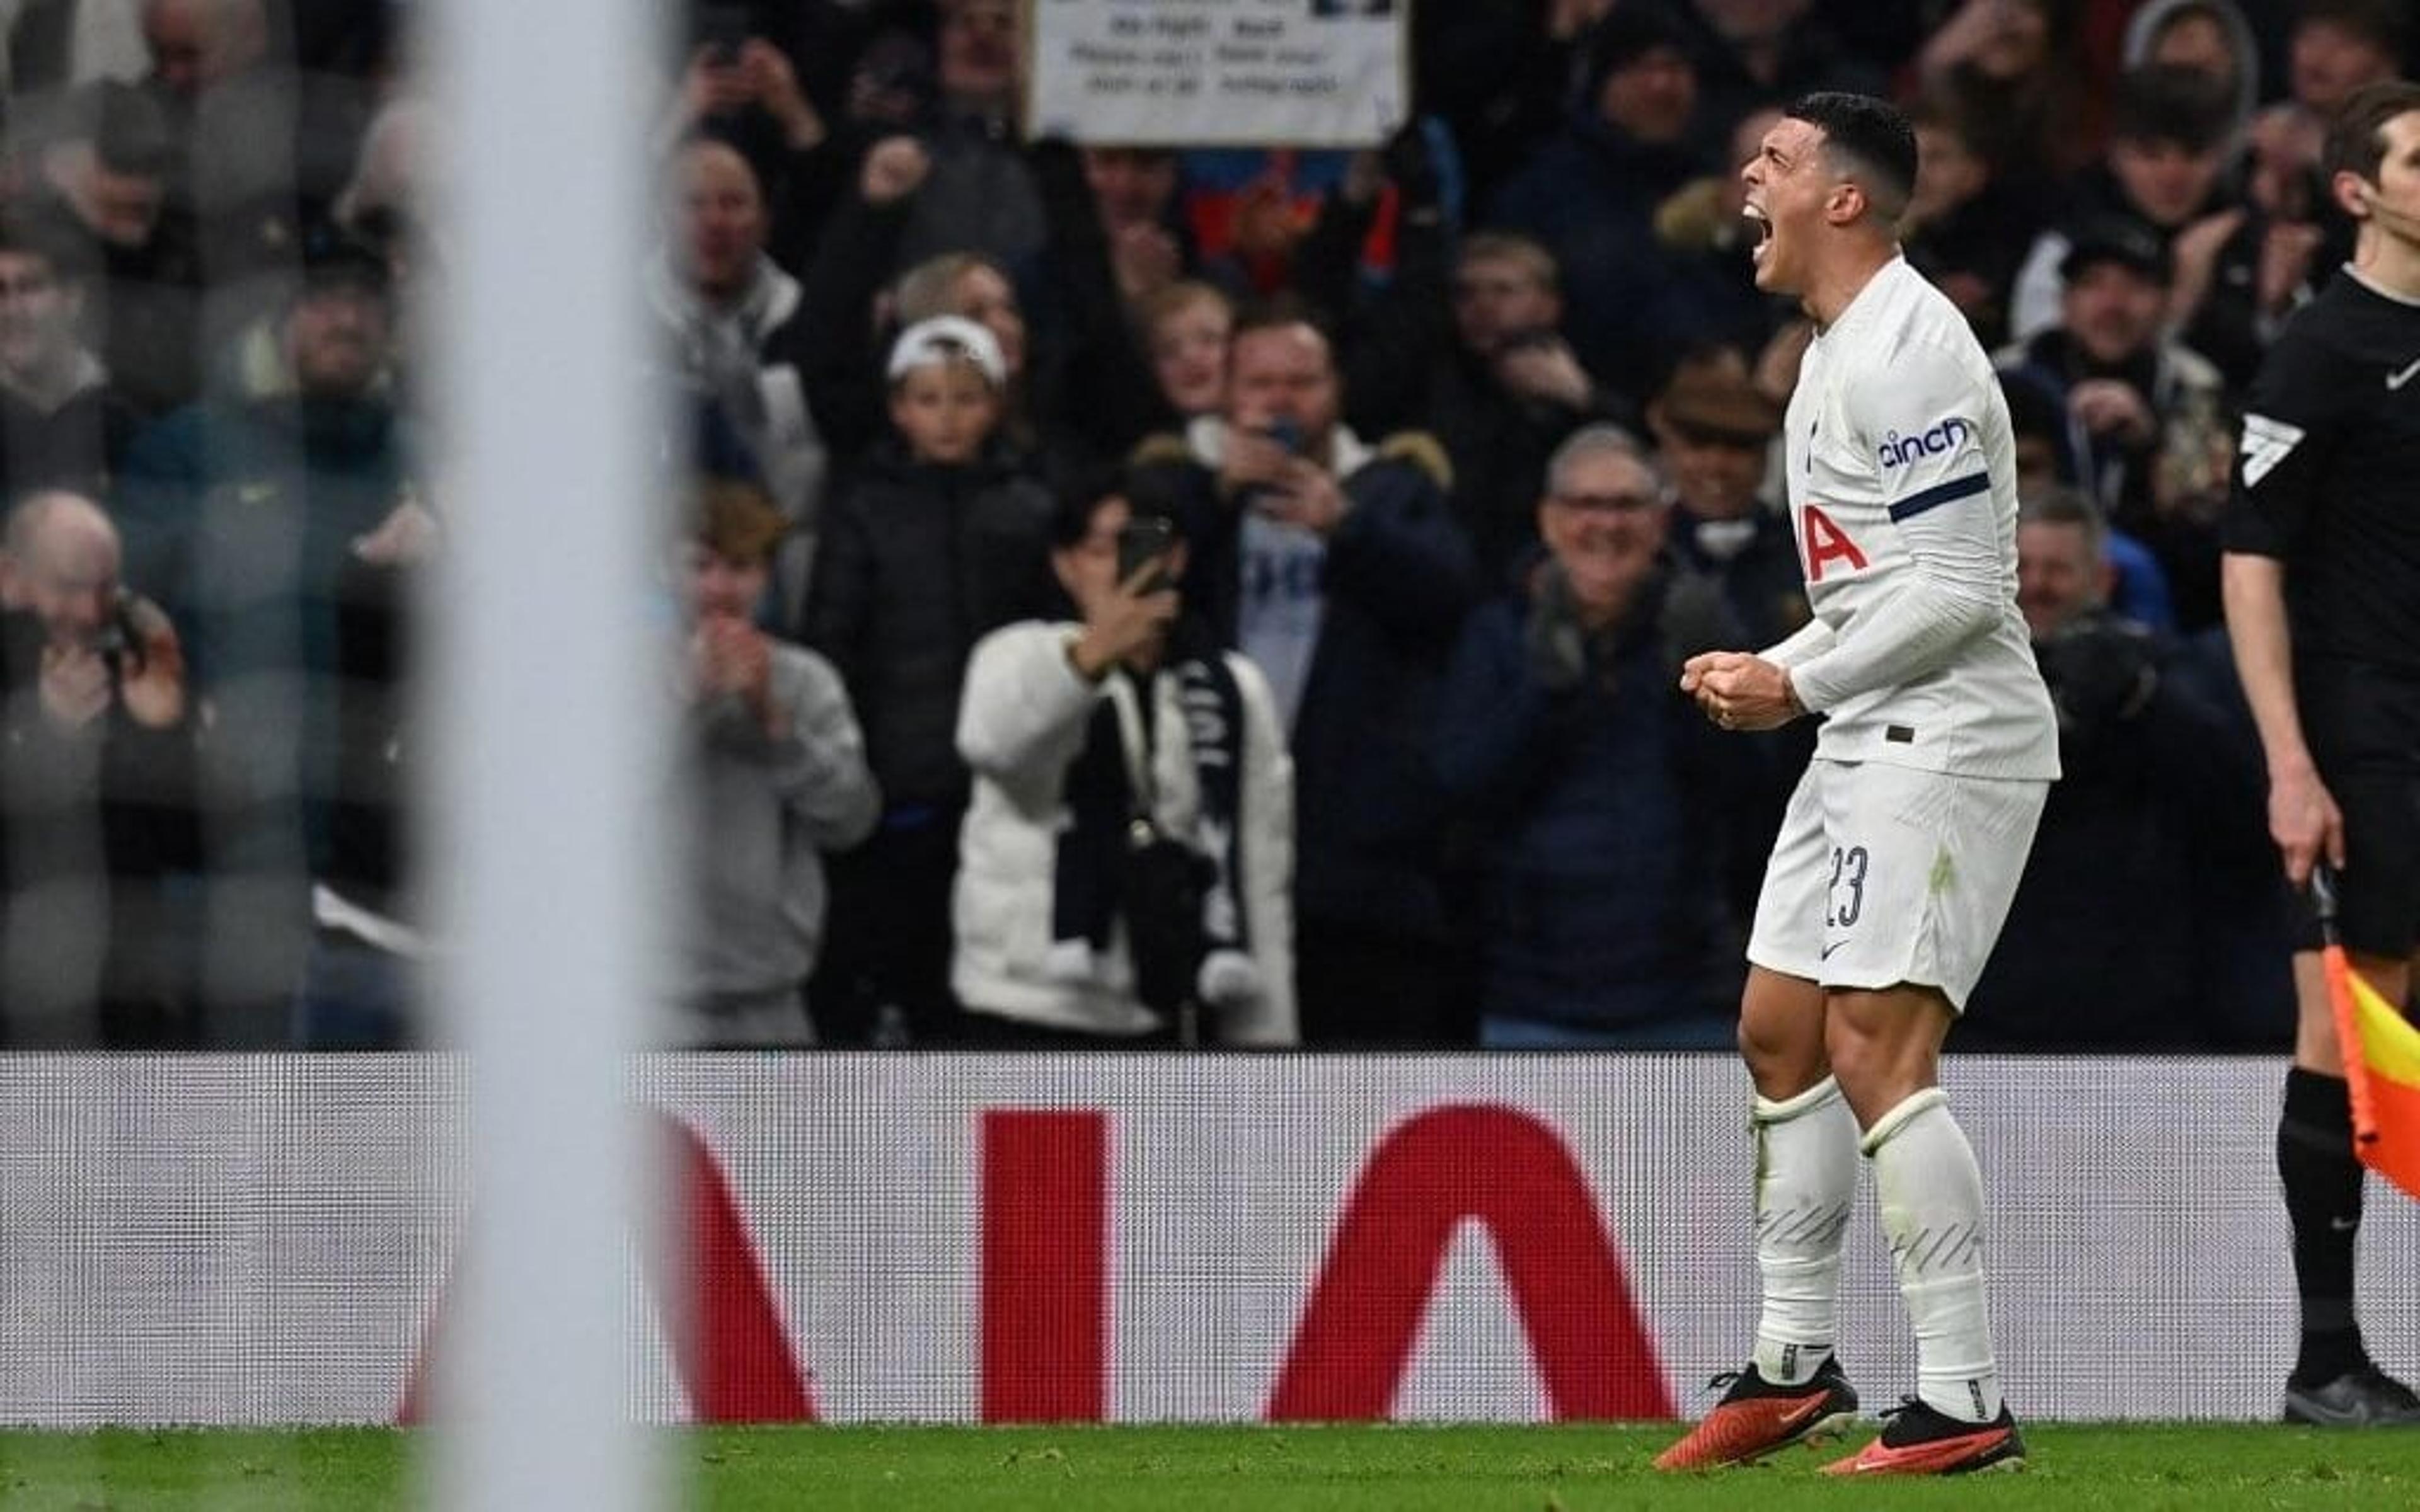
[(1902, 487)]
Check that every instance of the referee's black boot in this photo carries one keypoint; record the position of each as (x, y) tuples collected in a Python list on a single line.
[(2359, 1398)]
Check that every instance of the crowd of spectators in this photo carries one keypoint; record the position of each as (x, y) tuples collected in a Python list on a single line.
[(1133, 595)]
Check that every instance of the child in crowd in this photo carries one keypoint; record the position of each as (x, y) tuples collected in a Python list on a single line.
[(776, 773), (1186, 326), (938, 543)]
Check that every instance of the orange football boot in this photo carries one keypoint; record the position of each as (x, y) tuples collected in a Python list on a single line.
[(1920, 1440), (1757, 1418)]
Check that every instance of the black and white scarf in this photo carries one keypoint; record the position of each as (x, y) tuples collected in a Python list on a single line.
[(1106, 820)]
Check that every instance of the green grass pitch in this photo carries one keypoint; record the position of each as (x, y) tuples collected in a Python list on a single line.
[(2201, 1467)]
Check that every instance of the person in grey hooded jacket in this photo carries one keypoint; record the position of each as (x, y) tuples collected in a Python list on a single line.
[(776, 773)]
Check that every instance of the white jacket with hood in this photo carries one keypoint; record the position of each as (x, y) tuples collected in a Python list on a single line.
[(1023, 723)]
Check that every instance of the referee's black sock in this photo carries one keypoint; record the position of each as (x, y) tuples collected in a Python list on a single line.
[(2323, 1202)]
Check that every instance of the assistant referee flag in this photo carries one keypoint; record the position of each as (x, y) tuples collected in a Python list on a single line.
[(2382, 1062)]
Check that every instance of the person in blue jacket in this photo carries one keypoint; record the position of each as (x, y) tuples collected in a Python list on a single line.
[(1563, 734)]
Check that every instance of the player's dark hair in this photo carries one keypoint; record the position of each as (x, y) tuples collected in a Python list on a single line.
[(2172, 103), (2357, 140), (1871, 138)]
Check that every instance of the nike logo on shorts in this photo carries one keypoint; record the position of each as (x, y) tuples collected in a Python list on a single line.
[(1829, 949), (2397, 380)]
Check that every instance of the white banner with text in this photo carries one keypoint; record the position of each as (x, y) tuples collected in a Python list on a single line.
[(1217, 72)]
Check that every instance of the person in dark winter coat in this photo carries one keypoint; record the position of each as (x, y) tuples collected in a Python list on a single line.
[(1589, 196), (1338, 570), (246, 512), (2144, 409), (1480, 361), (936, 545), (361, 986), (63, 423), (842, 366), (2151, 863), (1562, 729), (1714, 429)]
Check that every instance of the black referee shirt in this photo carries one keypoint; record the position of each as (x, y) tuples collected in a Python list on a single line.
[(2327, 475)]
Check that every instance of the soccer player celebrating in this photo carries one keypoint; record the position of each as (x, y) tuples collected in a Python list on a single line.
[(2323, 498), (1901, 847)]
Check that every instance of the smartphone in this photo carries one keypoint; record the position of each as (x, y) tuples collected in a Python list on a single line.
[(1146, 539), (120, 641)]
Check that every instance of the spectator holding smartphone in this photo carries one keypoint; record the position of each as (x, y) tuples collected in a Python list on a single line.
[(96, 763), (740, 89), (1338, 568), (1127, 861)]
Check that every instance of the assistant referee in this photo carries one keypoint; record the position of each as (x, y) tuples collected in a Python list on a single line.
[(2322, 587)]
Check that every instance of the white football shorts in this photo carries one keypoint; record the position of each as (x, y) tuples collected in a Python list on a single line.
[(1888, 874)]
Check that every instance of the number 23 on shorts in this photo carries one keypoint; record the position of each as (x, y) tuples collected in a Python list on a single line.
[(1844, 896)]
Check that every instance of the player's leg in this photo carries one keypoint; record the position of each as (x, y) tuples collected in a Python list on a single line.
[(1805, 1173), (1885, 1047), (1792, 1390), (2334, 1381), (1930, 864)]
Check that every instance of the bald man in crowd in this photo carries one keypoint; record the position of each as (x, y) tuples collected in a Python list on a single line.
[(96, 766)]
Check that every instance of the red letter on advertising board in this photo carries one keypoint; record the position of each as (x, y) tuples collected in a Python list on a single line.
[(1044, 1256), (1509, 1173), (728, 1331)]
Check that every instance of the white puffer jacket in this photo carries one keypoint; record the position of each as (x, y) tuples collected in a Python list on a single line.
[(1021, 725)]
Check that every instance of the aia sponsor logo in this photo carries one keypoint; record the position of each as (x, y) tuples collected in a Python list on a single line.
[(1045, 1349)]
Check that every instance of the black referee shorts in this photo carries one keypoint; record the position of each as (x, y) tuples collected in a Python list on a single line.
[(2363, 729)]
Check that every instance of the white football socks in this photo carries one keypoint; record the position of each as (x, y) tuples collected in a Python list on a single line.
[(1930, 1193), (1806, 1177)]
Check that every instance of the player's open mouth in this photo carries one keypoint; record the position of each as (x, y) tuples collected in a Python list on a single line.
[(1761, 230)]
